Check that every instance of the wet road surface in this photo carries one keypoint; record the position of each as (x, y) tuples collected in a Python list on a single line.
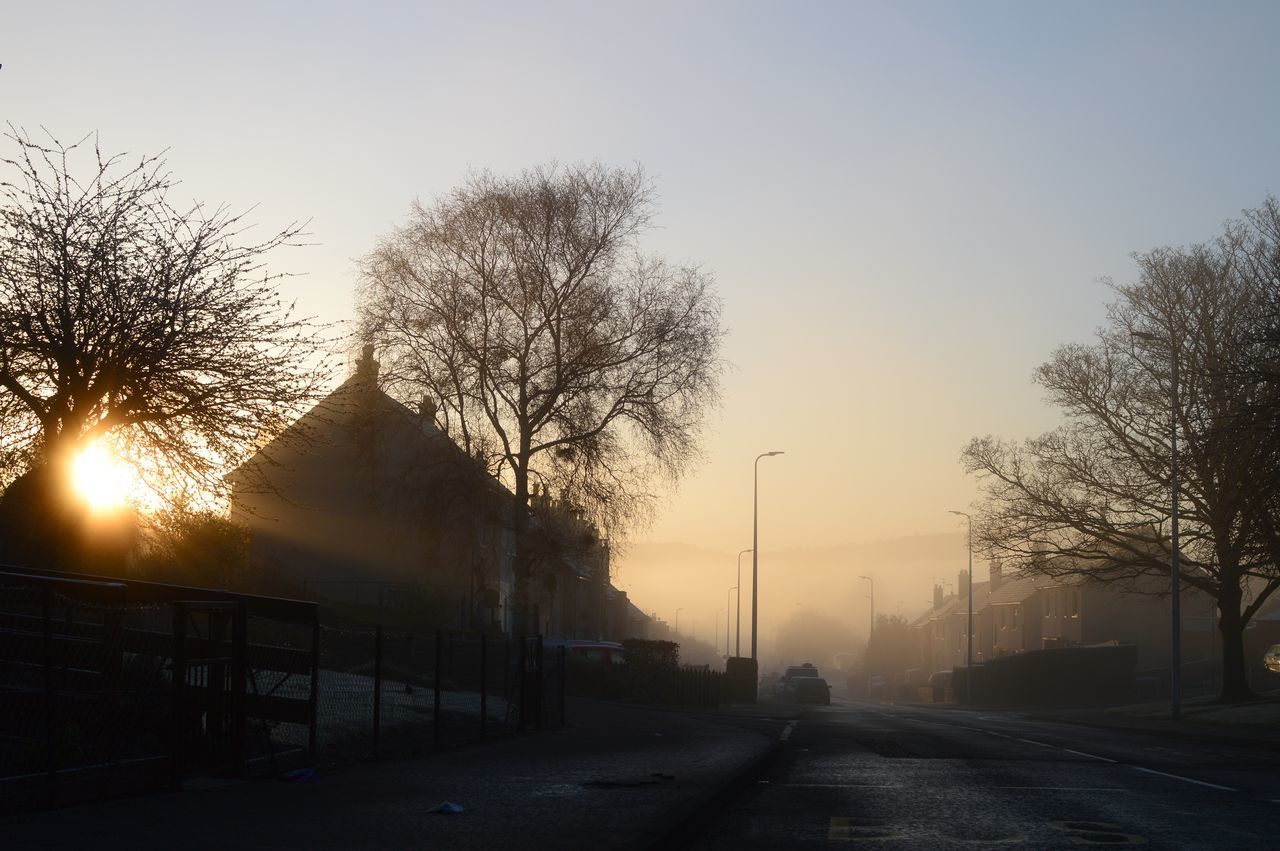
[(917, 777)]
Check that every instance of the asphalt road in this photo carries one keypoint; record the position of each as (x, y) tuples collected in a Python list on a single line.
[(916, 777)]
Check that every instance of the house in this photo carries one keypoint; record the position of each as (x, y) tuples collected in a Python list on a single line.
[(370, 507), (573, 594), (366, 504), (1013, 613), (1016, 614)]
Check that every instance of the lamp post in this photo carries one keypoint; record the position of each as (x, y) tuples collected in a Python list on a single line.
[(872, 597), (755, 547), (726, 617), (678, 611), (1175, 592), (968, 660), (737, 641)]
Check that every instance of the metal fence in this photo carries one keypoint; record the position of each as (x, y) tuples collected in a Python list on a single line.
[(692, 687), (390, 692), (109, 687)]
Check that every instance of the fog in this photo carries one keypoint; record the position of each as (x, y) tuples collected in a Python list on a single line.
[(813, 601)]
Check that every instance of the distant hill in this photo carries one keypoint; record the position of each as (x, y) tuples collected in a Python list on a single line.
[(662, 576)]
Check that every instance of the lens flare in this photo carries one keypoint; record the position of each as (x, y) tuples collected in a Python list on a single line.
[(99, 478)]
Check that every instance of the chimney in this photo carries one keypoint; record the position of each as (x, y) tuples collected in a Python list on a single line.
[(427, 409), (937, 596), (367, 368), (962, 584), (997, 574)]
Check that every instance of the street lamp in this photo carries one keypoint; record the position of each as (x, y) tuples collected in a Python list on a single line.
[(726, 617), (678, 611), (872, 596), (755, 547), (1175, 667), (737, 641), (968, 663)]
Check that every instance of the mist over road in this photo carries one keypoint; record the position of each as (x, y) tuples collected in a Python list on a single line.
[(915, 777)]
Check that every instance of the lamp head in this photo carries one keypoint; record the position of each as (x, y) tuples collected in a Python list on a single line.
[(1144, 335)]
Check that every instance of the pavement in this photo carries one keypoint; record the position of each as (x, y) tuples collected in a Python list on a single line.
[(1253, 724), (617, 776)]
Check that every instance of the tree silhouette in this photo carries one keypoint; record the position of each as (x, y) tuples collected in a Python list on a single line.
[(551, 348), (1092, 497), (128, 319)]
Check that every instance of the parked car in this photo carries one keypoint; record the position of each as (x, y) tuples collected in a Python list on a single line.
[(1271, 659), (809, 690), (601, 652)]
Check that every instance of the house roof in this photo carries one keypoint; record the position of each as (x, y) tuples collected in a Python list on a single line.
[(1015, 590), (341, 408)]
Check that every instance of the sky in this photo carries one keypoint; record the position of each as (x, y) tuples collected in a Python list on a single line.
[(906, 206)]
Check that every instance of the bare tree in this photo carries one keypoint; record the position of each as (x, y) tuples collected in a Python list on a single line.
[(557, 352), (1092, 497), (128, 319)]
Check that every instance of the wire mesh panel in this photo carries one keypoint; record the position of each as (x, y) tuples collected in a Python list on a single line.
[(278, 698), (101, 694), (81, 709)]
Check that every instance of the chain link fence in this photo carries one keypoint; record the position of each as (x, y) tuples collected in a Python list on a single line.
[(109, 687)]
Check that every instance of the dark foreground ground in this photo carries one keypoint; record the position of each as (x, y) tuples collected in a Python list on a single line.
[(764, 776)]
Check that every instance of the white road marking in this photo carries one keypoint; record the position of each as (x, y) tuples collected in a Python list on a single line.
[(1183, 779), (1067, 788), (840, 785), (786, 731), (1090, 755), (1034, 742)]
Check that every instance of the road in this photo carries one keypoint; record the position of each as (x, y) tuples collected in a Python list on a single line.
[(918, 777)]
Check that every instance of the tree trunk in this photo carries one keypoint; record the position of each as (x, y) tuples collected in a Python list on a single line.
[(522, 621), (1235, 674)]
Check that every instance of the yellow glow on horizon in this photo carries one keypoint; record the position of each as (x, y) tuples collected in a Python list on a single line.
[(100, 478)]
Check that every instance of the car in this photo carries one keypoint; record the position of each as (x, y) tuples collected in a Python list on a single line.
[(809, 690), (1271, 659), (599, 652), (782, 686)]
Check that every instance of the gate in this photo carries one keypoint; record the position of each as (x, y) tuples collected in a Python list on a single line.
[(208, 727)]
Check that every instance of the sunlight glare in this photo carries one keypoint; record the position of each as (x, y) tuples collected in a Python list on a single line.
[(99, 478)]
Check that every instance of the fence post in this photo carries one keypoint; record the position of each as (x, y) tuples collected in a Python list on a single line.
[(377, 688), (435, 714), (239, 668), (522, 681), (484, 684), (561, 655), (179, 685), (313, 699), (542, 679), (50, 726)]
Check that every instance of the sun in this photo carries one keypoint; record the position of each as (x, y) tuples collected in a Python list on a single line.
[(99, 478)]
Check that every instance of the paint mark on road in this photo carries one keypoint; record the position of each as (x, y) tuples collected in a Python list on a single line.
[(1183, 779), (1034, 742), (1090, 756), (786, 731)]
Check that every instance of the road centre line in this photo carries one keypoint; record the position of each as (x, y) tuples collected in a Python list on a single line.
[(1065, 788), (1184, 779), (1034, 742), (840, 785), (786, 731), (1090, 756)]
